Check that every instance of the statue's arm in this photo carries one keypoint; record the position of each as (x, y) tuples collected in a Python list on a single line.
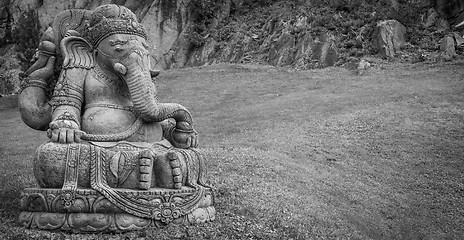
[(68, 99)]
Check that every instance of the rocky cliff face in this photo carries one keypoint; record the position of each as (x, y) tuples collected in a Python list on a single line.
[(451, 10), (276, 42), (175, 37), (299, 34)]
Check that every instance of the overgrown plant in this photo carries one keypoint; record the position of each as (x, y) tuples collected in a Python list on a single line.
[(5, 82), (6, 38), (203, 14), (26, 35)]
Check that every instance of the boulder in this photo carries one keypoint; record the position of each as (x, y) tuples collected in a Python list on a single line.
[(363, 66), (431, 18), (204, 55), (304, 48), (389, 37), (447, 48), (458, 39), (324, 50), (233, 50), (294, 45), (282, 51), (164, 28)]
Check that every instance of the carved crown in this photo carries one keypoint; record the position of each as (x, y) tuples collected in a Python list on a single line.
[(112, 19)]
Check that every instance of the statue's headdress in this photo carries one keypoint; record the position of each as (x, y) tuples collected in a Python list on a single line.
[(112, 19)]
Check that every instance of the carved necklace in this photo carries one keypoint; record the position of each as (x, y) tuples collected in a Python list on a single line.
[(102, 76), (105, 80)]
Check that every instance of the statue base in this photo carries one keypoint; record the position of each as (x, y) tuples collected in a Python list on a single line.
[(90, 211)]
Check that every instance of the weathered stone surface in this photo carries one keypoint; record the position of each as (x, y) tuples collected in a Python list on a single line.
[(282, 51), (389, 37), (430, 18), (447, 48), (459, 40), (325, 51), (304, 49), (363, 66), (234, 51), (164, 31), (204, 55), (92, 212), (450, 10), (281, 44), (138, 165), (315, 52), (442, 25)]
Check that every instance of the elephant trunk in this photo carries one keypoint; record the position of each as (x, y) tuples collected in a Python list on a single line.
[(136, 73)]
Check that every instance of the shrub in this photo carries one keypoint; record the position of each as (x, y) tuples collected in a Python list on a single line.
[(203, 12), (26, 35)]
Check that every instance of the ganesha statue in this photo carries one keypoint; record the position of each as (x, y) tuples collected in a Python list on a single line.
[(117, 159)]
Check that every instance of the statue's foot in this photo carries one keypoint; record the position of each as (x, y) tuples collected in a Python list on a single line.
[(146, 170), (175, 168), (167, 170)]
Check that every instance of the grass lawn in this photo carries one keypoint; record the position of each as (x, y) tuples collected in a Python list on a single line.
[(319, 154)]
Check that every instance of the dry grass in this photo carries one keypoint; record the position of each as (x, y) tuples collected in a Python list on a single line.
[(321, 154)]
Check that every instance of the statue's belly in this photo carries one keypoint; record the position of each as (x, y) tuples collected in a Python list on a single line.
[(100, 120)]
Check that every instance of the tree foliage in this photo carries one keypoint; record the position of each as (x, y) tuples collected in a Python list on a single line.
[(26, 35)]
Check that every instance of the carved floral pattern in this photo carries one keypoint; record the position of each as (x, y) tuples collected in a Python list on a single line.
[(92, 212), (68, 198), (166, 212)]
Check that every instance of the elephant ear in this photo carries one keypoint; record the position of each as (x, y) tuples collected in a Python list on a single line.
[(71, 19), (77, 53)]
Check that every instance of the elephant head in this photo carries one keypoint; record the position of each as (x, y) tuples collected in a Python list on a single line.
[(127, 55)]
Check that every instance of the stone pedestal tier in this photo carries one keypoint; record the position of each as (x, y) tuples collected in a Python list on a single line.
[(90, 211)]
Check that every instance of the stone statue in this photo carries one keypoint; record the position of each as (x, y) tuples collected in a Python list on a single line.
[(117, 158)]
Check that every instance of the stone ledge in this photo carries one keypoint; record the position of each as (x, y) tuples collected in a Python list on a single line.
[(105, 222), (91, 201), (44, 208)]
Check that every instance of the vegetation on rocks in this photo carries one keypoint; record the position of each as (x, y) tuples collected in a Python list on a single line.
[(351, 23), (17, 54), (26, 36)]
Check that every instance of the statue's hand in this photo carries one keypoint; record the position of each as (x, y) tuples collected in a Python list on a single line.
[(184, 137), (44, 72), (64, 131)]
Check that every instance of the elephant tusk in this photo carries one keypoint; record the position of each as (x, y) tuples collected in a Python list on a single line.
[(120, 68)]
